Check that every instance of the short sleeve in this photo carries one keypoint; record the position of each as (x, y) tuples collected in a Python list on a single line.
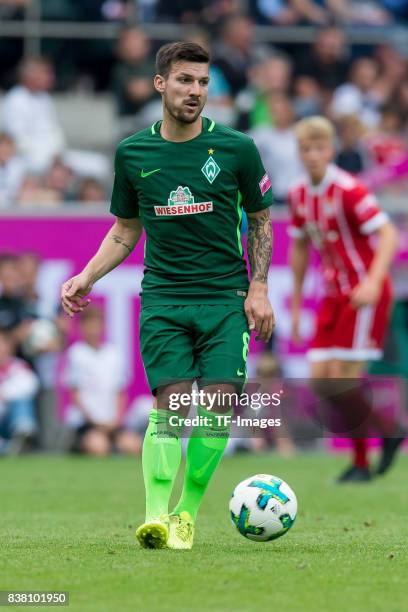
[(124, 202), (254, 183), (296, 227), (364, 210)]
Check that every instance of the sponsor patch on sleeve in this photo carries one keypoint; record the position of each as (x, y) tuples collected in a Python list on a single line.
[(265, 184)]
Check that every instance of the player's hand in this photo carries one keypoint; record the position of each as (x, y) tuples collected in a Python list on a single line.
[(74, 292), (259, 311), (295, 333), (366, 293)]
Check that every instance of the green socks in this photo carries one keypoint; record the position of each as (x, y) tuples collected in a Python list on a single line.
[(161, 458), (204, 451)]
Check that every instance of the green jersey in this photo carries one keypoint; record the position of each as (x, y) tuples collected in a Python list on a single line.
[(189, 196)]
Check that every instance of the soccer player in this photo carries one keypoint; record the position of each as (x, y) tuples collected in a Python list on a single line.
[(334, 211), (186, 180)]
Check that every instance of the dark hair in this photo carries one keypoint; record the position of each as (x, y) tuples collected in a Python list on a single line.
[(179, 52)]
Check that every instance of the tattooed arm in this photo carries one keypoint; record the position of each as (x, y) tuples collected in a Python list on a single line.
[(259, 244), (257, 306), (118, 243)]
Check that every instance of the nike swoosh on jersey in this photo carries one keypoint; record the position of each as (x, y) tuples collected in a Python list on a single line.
[(144, 174)]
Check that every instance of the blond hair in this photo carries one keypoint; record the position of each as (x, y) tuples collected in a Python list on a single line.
[(315, 127)]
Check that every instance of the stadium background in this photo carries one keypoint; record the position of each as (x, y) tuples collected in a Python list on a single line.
[(273, 62)]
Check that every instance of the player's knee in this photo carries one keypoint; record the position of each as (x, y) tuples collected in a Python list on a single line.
[(96, 443), (173, 397), (220, 398)]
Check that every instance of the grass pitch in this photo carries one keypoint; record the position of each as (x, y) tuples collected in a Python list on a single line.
[(68, 524)]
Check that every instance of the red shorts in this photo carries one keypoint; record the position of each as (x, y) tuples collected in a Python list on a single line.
[(344, 332)]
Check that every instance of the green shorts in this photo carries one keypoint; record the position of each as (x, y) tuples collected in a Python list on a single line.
[(208, 343)]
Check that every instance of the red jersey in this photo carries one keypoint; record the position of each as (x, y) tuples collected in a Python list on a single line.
[(339, 215)]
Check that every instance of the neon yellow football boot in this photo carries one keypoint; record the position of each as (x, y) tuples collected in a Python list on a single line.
[(154, 534), (181, 535)]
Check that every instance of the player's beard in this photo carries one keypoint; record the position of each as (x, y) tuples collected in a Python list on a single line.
[(180, 114)]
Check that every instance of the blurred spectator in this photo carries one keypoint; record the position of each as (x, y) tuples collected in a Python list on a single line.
[(61, 180), (88, 62), (132, 81), (236, 51), (184, 11), (12, 169), (96, 57), (196, 11), (105, 10), (42, 348), (321, 12), (311, 11), (18, 386), (277, 12), (30, 116), (92, 190), (326, 60), (402, 102), (271, 75), (359, 96), (86, 10), (14, 316), (393, 69), (33, 192), (278, 147), (269, 377), (216, 11), (307, 97), (219, 104), (355, 12), (350, 155), (386, 145), (27, 265), (95, 376)]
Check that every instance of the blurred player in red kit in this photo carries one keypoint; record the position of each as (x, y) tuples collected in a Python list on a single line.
[(337, 214)]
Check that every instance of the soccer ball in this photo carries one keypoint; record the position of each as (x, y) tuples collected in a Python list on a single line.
[(263, 507)]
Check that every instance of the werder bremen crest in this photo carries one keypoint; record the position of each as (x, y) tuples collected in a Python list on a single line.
[(181, 195), (211, 169)]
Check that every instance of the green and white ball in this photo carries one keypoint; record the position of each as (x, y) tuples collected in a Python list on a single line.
[(263, 507)]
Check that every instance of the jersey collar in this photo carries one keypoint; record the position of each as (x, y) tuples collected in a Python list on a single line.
[(207, 126)]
